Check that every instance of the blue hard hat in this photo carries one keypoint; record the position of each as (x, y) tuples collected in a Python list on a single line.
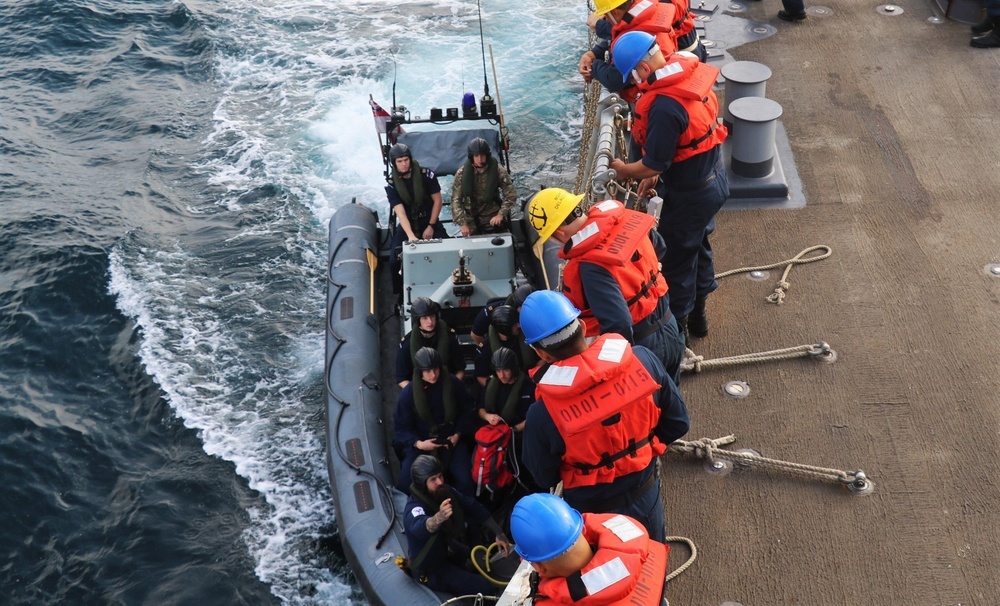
[(545, 312), (544, 526), (629, 49)]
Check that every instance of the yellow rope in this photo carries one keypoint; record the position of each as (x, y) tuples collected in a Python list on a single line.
[(486, 559)]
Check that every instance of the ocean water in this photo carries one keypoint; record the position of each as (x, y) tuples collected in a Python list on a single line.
[(167, 170)]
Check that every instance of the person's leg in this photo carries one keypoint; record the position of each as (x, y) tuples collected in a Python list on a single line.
[(685, 217), (794, 10), (647, 508), (667, 344)]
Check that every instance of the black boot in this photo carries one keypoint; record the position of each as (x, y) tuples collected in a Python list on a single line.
[(989, 40), (697, 322), (983, 27), (789, 16)]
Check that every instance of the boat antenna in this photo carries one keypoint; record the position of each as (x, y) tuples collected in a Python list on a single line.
[(482, 45), (393, 55)]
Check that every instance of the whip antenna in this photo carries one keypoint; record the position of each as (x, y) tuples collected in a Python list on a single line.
[(482, 45)]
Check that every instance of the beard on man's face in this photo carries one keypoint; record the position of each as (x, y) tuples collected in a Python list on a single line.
[(442, 492)]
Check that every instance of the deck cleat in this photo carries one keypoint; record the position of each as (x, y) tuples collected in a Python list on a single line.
[(823, 353), (859, 484), (736, 389), (718, 467)]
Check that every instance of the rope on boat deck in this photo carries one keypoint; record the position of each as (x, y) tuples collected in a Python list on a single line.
[(696, 363), (706, 448), (778, 296)]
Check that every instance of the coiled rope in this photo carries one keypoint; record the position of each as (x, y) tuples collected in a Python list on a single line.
[(778, 296)]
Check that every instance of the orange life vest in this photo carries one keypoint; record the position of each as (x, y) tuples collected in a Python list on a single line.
[(601, 402), (627, 568), (652, 17), (689, 82), (612, 237)]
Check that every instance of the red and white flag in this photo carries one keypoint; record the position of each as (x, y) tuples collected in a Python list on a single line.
[(381, 117)]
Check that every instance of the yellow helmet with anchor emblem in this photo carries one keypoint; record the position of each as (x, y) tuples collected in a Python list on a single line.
[(606, 6), (549, 208)]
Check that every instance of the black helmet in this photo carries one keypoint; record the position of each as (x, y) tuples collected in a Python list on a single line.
[(521, 293), (479, 146), (503, 319), (399, 150), (427, 358), (424, 306), (505, 359), (423, 468)]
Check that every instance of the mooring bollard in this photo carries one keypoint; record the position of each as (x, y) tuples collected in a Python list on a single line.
[(752, 136), (743, 79)]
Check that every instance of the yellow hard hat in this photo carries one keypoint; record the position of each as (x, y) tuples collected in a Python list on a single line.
[(606, 6), (549, 208)]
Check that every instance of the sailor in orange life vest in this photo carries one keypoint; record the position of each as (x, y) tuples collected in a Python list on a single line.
[(605, 413), (590, 559), (612, 271), (671, 22), (676, 125)]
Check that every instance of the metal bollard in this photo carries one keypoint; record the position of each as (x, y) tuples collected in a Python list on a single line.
[(752, 136), (743, 79)]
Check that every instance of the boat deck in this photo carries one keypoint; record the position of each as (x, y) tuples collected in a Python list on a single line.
[(893, 124)]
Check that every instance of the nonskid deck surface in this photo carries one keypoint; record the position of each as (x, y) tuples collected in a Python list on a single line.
[(893, 124)]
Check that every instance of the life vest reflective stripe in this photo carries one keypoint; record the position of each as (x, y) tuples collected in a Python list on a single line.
[(601, 402), (616, 239), (627, 568), (689, 82)]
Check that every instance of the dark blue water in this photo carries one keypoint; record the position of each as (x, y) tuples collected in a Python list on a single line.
[(166, 173)]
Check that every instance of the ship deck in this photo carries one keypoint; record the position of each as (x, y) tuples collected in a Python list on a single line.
[(889, 122)]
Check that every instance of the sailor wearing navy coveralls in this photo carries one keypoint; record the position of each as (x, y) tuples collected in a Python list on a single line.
[(612, 271), (606, 411), (676, 124), (433, 416), (436, 520)]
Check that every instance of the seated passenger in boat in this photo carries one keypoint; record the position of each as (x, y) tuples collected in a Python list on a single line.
[(483, 193), (434, 415), (506, 399), (416, 202), (589, 559), (442, 525), (431, 331), (481, 323), (504, 331)]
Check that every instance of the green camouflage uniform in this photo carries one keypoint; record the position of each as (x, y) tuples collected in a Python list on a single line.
[(473, 212)]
